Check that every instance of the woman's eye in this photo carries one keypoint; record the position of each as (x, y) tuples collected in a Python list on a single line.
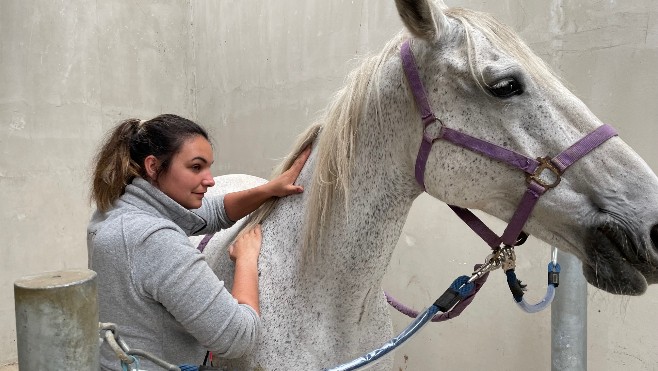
[(196, 167), (506, 88)]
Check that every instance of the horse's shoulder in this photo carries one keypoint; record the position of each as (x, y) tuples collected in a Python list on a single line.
[(236, 182)]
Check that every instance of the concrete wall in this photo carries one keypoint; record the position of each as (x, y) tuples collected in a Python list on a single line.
[(69, 70), (256, 73)]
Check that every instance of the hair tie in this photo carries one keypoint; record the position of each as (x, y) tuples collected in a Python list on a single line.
[(136, 129)]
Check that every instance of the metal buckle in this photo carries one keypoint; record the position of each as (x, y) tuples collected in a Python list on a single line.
[(544, 164)]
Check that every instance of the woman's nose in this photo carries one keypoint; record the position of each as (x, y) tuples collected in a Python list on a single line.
[(209, 181)]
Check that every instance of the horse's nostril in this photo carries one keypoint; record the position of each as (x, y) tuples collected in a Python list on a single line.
[(654, 236)]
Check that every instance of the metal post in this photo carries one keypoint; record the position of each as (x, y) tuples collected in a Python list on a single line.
[(57, 321), (569, 317)]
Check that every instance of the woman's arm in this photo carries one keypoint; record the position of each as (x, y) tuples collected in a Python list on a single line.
[(244, 252), (168, 269), (239, 204)]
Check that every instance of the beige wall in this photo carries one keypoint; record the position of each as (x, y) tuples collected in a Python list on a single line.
[(256, 73), (68, 71)]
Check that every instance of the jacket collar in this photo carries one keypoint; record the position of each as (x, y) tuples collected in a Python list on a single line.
[(147, 197)]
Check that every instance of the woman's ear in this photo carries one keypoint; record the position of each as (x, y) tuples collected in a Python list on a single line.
[(151, 166)]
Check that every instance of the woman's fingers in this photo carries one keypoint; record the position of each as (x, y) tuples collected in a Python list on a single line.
[(248, 244), (298, 165)]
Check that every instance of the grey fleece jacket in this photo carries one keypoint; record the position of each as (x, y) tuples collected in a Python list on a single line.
[(157, 288)]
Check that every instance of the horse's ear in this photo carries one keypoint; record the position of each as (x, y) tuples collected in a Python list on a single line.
[(423, 18)]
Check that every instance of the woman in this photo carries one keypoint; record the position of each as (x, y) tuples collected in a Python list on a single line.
[(149, 182)]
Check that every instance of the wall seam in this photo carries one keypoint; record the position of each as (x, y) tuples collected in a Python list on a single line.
[(195, 87), (100, 75)]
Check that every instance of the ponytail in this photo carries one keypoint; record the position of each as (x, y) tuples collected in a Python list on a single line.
[(114, 169), (121, 158)]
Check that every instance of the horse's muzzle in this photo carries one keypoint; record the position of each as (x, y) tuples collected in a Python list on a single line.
[(619, 262)]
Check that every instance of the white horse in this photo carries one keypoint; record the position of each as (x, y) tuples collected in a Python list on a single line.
[(325, 251)]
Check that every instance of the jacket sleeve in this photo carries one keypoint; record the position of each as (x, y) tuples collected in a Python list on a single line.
[(213, 212), (169, 270)]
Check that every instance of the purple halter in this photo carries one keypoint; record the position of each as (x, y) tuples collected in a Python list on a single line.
[(533, 168)]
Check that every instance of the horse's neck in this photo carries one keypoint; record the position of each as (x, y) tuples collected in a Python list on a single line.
[(361, 233), (362, 237)]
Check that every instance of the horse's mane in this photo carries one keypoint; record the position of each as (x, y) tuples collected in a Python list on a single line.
[(335, 147)]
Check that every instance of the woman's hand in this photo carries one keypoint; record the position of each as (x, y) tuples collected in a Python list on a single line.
[(238, 204), (283, 185), (247, 246)]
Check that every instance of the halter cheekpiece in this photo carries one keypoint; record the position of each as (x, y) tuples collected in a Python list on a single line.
[(542, 174)]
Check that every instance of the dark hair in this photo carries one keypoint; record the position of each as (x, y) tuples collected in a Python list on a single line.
[(121, 158)]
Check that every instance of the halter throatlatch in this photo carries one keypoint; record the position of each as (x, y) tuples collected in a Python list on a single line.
[(542, 174)]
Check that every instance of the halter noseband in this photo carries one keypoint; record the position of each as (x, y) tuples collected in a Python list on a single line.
[(534, 169)]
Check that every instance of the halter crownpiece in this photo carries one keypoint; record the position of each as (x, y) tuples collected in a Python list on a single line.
[(542, 174)]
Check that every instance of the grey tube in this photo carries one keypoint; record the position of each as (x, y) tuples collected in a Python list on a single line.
[(57, 321), (569, 318)]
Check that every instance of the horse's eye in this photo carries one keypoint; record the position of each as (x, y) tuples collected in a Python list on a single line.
[(506, 88)]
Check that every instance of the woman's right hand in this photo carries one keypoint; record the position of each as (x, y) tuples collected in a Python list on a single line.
[(247, 246)]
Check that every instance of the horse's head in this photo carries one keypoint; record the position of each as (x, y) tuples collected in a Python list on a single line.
[(483, 81)]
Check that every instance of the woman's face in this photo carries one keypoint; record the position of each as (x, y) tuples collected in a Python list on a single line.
[(189, 177)]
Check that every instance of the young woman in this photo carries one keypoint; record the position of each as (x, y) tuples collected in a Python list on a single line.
[(148, 184)]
